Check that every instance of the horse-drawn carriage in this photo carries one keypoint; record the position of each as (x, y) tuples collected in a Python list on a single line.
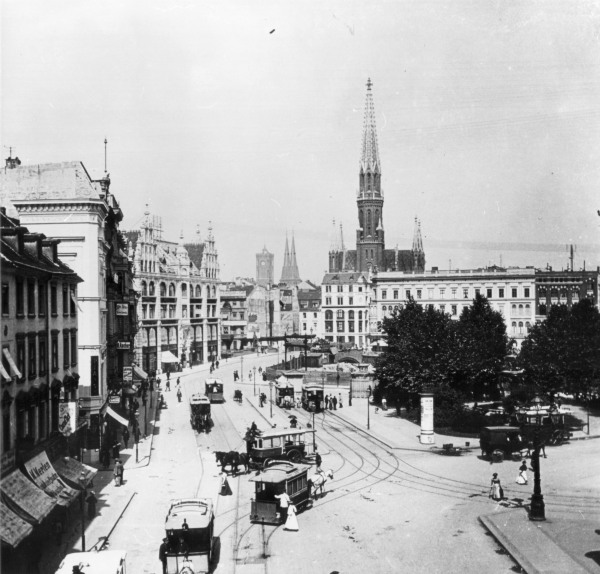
[(285, 444), (549, 419), (284, 395), (189, 529), (200, 418), (238, 396), (277, 477), (214, 390), (312, 397)]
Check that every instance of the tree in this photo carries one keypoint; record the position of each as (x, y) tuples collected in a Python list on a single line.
[(420, 349), (483, 346), (563, 352)]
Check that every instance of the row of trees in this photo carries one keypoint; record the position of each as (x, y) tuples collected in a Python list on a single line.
[(465, 359)]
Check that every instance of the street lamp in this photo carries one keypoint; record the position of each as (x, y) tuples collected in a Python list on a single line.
[(255, 381), (82, 483), (271, 397), (368, 409), (323, 384), (537, 511)]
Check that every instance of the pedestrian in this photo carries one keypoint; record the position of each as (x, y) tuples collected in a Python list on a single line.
[(284, 503), (496, 492), (185, 526), (126, 437), (179, 395), (157, 384), (260, 369), (116, 448), (118, 473), (169, 376), (340, 401), (136, 434), (225, 488), (162, 554), (334, 403), (217, 363), (178, 382), (522, 476), (91, 502), (183, 547), (168, 384), (318, 460), (326, 401), (291, 522), (384, 404)]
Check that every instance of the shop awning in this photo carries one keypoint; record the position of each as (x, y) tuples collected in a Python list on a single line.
[(139, 373), (71, 470), (44, 475), (168, 357), (12, 363), (117, 416), (25, 498), (5, 375), (13, 529)]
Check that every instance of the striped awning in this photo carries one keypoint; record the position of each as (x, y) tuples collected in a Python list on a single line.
[(13, 529), (139, 373), (12, 363), (25, 498)]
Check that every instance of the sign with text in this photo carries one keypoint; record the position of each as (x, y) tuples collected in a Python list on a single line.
[(122, 309), (67, 417), (43, 474), (123, 345), (127, 374)]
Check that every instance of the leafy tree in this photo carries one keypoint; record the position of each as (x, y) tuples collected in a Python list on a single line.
[(420, 348), (483, 346), (563, 352)]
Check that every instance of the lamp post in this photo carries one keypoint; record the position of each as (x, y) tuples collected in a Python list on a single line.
[(350, 392), (254, 381), (271, 397), (538, 510), (369, 410), (82, 483), (323, 384), (242, 367)]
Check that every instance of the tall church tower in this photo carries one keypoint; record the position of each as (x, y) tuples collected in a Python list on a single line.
[(289, 274), (265, 272), (370, 243)]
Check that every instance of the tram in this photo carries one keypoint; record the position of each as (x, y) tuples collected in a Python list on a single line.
[(189, 528), (200, 418), (214, 390), (278, 476), (284, 395), (312, 397), (285, 444)]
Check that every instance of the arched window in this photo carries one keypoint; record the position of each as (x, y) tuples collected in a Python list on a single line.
[(520, 310), (329, 315), (514, 326), (184, 290), (527, 308), (340, 313), (151, 289), (527, 326), (214, 291), (198, 291), (163, 289), (171, 290), (384, 308), (520, 326), (351, 315), (360, 315), (514, 309), (144, 289), (369, 222)]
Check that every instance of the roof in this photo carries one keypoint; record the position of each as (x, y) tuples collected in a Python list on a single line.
[(344, 278), (284, 432), (197, 399), (105, 562), (198, 512), (195, 252), (281, 471), (213, 381)]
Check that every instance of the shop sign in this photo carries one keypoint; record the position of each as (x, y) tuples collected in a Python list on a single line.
[(123, 345), (67, 417), (114, 399), (122, 309), (127, 374)]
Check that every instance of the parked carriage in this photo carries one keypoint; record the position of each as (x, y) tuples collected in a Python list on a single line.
[(238, 396), (200, 418), (189, 527), (549, 420), (279, 476), (286, 444), (214, 390), (312, 397), (284, 395)]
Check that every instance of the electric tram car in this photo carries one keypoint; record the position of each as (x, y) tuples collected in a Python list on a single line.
[(200, 418), (214, 390), (284, 395), (189, 528), (279, 476), (286, 444), (312, 397)]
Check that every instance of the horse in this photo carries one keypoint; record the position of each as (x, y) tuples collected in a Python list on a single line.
[(317, 481), (232, 459)]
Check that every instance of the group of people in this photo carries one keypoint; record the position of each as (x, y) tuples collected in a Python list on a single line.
[(332, 403), (214, 365), (496, 490), (287, 511)]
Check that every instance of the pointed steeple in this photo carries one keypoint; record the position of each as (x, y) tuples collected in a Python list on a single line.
[(369, 160), (334, 244), (289, 273), (417, 249)]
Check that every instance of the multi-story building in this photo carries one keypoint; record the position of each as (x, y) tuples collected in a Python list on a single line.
[(179, 307), (63, 201), (564, 288), (309, 301), (345, 301), (234, 317), (510, 291), (40, 359)]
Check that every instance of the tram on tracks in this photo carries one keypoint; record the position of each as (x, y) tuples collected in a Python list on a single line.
[(284, 395), (278, 476), (200, 418), (214, 390), (286, 444), (189, 528), (312, 397)]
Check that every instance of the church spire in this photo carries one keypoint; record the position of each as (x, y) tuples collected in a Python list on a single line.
[(417, 249), (369, 160), (290, 274)]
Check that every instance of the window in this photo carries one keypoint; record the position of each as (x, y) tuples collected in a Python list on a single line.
[(163, 289), (53, 300), (144, 289), (477, 291), (172, 311), (20, 300), (73, 299), (54, 353), (144, 311), (501, 293), (5, 301), (340, 300), (41, 300), (21, 356), (489, 292), (465, 292), (384, 294), (151, 290), (328, 289), (454, 292), (454, 310), (327, 300), (340, 326), (360, 289), (65, 300), (184, 291), (66, 350), (395, 293), (350, 288), (443, 308), (152, 311), (350, 300), (73, 348), (163, 311), (419, 293), (31, 298), (430, 293), (340, 314), (32, 357), (407, 293), (42, 356), (184, 311), (513, 292), (171, 290), (526, 291), (442, 292)]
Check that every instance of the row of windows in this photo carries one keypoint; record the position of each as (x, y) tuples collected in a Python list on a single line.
[(344, 288), (31, 299), (339, 301), (341, 326), (340, 314), (170, 311), (148, 289), (457, 292), (32, 353)]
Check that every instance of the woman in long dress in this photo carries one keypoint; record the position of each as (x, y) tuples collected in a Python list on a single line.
[(292, 522), (522, 477), (496, 488)]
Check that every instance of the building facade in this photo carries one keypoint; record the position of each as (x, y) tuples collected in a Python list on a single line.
[(234, 317), (179, 304), (265, 268), (564, 288), (309, 302)]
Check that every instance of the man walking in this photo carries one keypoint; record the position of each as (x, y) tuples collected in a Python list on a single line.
[(126, 437), (162, 554), (334, 403)]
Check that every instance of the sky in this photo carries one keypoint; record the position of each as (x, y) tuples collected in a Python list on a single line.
[(248, 116)]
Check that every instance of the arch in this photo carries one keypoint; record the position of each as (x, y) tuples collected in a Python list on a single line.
[(520, 310), (184, 290), (351, 315), (171, 290), (144, 289), (369, 222), (163, 289), (198, 291), (329, 315), (151, 291), (340, 313)]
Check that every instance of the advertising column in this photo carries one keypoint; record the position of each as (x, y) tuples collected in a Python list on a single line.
[(427, 436)]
